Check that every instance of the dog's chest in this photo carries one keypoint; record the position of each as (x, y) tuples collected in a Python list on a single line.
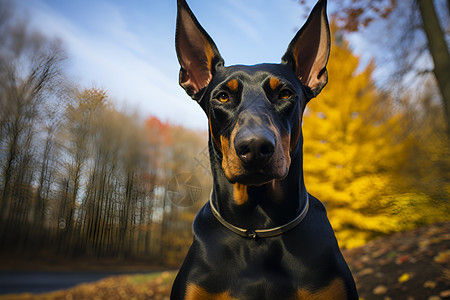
[(249, 269)]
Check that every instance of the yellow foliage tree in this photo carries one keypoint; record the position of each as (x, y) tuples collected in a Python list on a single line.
[(351, 152)]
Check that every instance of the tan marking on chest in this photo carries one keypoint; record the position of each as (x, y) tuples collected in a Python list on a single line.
[(335, 291), (195, 292), (240, 193)]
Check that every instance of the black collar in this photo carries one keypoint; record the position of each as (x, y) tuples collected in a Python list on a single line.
[(261, 233)]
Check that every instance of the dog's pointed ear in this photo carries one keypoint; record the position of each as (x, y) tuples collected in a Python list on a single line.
[(309, 50), (196, 51)]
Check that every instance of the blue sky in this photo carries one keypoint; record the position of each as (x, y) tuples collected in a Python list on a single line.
[(127, 47)]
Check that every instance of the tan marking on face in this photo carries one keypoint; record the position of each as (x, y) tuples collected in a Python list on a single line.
[(335, 291), (212, 135), (274, 83), (195, 292), (240, 193), (231, 163), (232, 85)]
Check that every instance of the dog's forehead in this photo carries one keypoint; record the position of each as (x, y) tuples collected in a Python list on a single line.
[(254, 74)]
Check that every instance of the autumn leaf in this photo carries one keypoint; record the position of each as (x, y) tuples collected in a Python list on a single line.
[(443, 257), (352, 151), (404, 277)]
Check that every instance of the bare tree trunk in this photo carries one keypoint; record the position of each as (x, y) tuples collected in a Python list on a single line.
[(438, 50), (8, 169), (40, 205)]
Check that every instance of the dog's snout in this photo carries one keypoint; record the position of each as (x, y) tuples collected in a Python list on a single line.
[(254, 148)]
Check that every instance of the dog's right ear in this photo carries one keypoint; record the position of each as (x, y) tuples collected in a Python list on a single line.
[(309, 50), (196, 51)]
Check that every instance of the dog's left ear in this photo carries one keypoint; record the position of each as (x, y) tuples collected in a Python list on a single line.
[(309, 50), (196, 51)]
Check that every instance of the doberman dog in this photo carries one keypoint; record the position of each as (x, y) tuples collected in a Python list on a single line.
[(261, 235)]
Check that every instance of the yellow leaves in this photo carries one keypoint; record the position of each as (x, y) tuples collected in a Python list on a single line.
[(404, 277), (443, 257), (351, 153), (351, 238), (430, 284), (366, 189), (380, 290)]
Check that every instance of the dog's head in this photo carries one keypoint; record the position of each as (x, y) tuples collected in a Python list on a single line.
[(254, 112)]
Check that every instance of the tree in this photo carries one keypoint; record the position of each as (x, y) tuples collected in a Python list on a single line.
[(426, 163), (75, 140), (29, 70), (406, 22), (48, 166), (354, 145), (180, 159), (77, 176), (438, 48)]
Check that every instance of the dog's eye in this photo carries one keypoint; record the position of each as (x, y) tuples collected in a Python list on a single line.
[(285, 94), (223, 97)]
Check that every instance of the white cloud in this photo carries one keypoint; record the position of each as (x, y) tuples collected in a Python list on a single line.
[(246, 17), (113, 26), (112, 57)]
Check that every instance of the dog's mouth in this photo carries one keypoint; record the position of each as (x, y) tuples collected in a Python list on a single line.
[(257, 159), (258, 175)]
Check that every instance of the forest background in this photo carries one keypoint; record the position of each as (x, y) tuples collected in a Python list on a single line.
[(80, 178)]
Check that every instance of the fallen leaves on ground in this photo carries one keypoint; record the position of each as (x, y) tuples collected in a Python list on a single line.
[(129, 287), (413, 265)]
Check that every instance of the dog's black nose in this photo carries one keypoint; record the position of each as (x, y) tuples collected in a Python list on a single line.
[(254, 148)]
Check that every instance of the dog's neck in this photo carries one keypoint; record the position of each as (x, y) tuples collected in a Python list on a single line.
[(266, 206)]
